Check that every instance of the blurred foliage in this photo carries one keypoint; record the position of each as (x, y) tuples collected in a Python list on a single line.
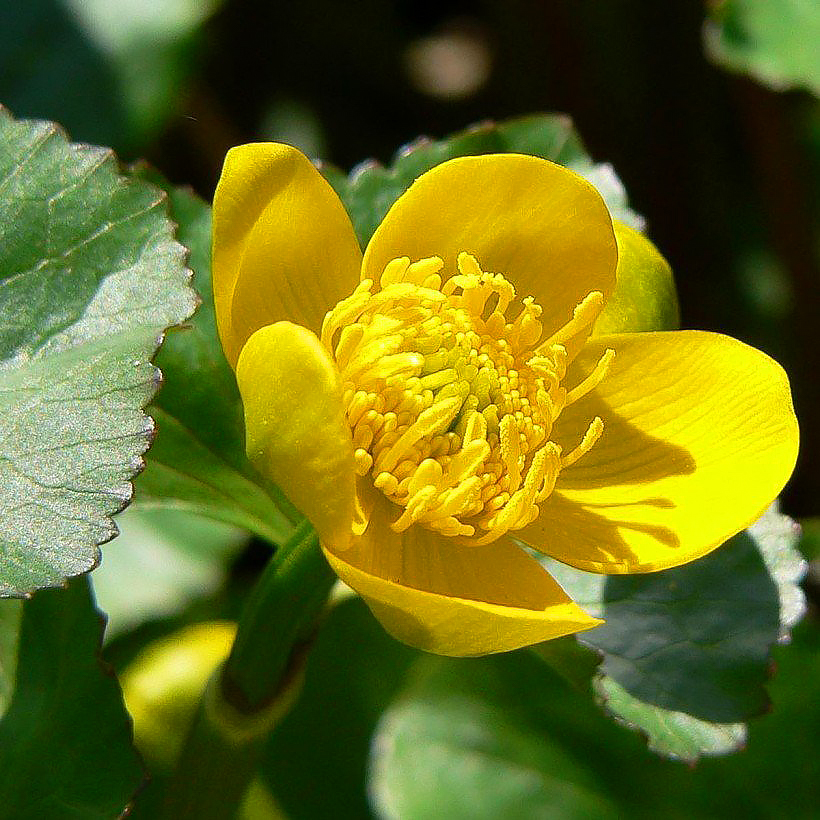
[(50, 70), (109, 72), (774, 40), (452, 718), (810, 540), (162, 560), (148, 45), (492, 741), (67, 706), (466, 717), (163, 684)]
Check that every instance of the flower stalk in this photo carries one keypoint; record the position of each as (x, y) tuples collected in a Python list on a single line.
[(256, 686)]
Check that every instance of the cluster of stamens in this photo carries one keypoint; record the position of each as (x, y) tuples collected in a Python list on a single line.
[(451, 406)]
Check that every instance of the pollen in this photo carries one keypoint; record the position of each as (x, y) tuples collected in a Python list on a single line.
[(451, 401)]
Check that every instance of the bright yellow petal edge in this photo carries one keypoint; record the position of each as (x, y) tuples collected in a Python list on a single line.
[(283, 245), (434, 594), (537, 223), (295, 429), (699, 437)]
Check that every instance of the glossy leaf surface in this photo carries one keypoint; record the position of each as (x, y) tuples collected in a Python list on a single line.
[(90, 278)]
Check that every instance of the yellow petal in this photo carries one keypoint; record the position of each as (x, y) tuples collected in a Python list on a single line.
[(644, 297), (283, 245), (295, 425), (442, 597), (542, 226), (699, 436)]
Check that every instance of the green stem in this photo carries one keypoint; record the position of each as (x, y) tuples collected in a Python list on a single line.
[(256, 685)]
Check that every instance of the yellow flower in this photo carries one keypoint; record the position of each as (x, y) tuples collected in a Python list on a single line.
[(439, 401)]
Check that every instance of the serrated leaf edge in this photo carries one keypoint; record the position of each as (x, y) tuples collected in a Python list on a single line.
[(138, 465)]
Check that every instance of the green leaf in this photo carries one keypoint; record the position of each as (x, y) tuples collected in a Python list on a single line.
[(90, 278), (696, 639), (162, 561), (775, 776), (693, 639), (484, 739), (672, 734), (10, 614), (197, 463), (774, 40), (65, 740)]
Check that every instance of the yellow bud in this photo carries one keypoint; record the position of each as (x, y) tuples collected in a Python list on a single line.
[(163, 684)]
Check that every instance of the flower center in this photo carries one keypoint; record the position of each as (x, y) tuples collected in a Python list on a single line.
[(451, 405)]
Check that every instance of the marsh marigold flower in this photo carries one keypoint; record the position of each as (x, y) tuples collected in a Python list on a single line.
[(442, 401)]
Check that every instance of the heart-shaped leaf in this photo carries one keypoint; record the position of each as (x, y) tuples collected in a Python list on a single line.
[(685, 652), (90, 278), (672, 734)]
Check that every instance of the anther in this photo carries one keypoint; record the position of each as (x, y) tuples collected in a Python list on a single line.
[(593, 433), (593, 379)]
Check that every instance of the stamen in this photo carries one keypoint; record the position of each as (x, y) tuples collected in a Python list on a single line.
[(394, 271), (526, 330), (346, 312), (552, 469), (364, 461), (349, 340), (425, 273), (433, 419), (451, 406), (468, 265), (593, 379), (582, 317), (510, 451)]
